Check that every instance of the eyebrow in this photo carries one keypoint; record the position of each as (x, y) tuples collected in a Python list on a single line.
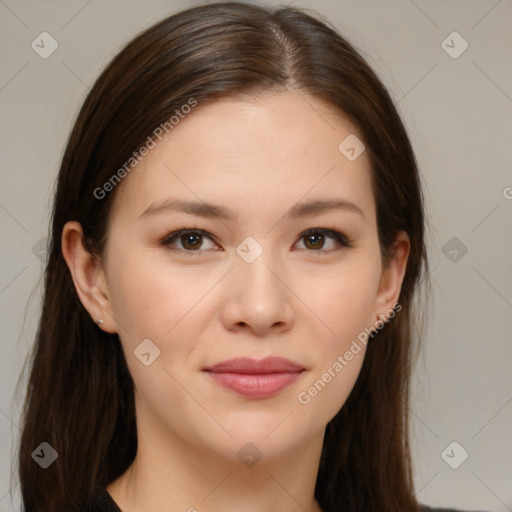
[(202, 209)]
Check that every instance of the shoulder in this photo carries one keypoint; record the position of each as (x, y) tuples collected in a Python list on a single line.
[(426, 508)]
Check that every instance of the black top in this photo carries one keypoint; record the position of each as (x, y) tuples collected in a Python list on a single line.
[(101, 501)]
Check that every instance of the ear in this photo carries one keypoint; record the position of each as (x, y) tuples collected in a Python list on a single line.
[(393, 275), (88, 276)]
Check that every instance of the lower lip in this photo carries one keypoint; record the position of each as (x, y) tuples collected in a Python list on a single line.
[(255, 386)]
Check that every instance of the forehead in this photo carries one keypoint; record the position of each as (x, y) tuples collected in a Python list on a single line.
[(269, 149)]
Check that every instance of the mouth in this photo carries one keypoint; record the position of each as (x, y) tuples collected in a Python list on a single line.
[(255, 379)]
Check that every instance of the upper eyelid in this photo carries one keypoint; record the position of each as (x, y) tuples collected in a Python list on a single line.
[(329, 232), (171, 237)]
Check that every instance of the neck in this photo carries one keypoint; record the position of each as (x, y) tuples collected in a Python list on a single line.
[(170, 474)]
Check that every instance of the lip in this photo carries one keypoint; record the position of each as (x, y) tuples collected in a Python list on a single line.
[(255, 379)]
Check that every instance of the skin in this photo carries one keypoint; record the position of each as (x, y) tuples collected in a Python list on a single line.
[(257, 157)]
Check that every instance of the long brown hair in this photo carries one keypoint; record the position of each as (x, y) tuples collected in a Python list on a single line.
[(80, 393)]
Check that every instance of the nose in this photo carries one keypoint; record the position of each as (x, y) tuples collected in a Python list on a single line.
[(257, 298)]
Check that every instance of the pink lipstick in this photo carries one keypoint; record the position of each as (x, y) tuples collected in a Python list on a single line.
[(255, 379)]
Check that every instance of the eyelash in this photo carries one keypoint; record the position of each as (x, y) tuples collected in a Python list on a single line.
[(331, 233)]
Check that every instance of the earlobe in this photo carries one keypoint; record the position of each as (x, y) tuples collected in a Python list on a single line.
[(393, 274), (88, 276)]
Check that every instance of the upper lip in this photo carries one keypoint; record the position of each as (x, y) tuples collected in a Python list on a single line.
[(252, 366)]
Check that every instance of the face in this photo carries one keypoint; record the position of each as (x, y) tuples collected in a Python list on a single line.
[(246, 233)]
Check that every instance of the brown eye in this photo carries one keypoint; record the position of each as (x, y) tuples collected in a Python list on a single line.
[(316, 239), (191, 241), (188, 240)]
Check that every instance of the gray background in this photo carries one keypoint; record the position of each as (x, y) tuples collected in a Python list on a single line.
[(458, 113)]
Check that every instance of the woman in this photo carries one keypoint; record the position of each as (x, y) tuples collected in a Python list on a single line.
[(237, 244)]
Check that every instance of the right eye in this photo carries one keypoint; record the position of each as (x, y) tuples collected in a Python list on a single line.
[(190, 240)]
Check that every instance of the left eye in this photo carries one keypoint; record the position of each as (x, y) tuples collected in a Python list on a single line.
[(316, 237), (190, 240)]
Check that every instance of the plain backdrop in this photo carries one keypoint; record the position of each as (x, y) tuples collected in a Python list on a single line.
[(457, 105)]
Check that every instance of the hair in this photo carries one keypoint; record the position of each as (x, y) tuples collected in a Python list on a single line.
[(80, 394)]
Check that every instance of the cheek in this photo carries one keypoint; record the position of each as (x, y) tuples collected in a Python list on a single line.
[(344, 303), (168, 305), (149, 298), (344, 300), (154, 302)]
